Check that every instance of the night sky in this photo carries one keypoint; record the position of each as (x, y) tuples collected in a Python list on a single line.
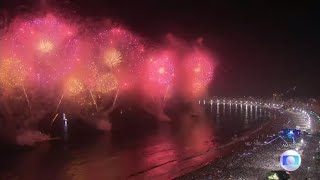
[(262, 47)]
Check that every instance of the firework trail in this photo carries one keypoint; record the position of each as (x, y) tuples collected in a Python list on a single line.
[(94, 100), (55, 117), (57, 108), (59, 103), (27, 99), (116, 97), (165, 95)]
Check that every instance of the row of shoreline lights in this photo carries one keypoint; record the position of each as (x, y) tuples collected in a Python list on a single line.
[(273, 105), (305, 113), (211, 102), (300, 110)]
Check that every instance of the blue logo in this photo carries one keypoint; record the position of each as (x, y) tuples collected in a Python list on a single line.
[(290, 160)]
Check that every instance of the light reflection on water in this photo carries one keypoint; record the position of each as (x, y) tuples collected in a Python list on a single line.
[(161, 152)]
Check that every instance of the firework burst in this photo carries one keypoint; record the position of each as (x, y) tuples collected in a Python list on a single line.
[(161, 69), (112, 58), (74, 87), (200, 68), (124, 50), (12, 74), (106, 83), (45, 44), (74, 90)]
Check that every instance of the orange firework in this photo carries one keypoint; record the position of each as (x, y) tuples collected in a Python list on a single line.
[(106, 83), (45, 46), (74, 87), (74, 90), (12, 73), (112, 57)]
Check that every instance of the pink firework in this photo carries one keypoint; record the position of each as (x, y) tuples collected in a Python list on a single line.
[(161, 69), (121, 52), (200, 69), (120, 49)]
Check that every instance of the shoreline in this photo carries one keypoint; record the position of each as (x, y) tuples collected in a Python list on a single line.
[(255, 159)]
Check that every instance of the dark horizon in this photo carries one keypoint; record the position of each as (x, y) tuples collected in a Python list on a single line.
[(262, 47)]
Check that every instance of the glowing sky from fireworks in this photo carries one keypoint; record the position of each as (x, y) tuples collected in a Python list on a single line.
[(45, 44), (49, 49)]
